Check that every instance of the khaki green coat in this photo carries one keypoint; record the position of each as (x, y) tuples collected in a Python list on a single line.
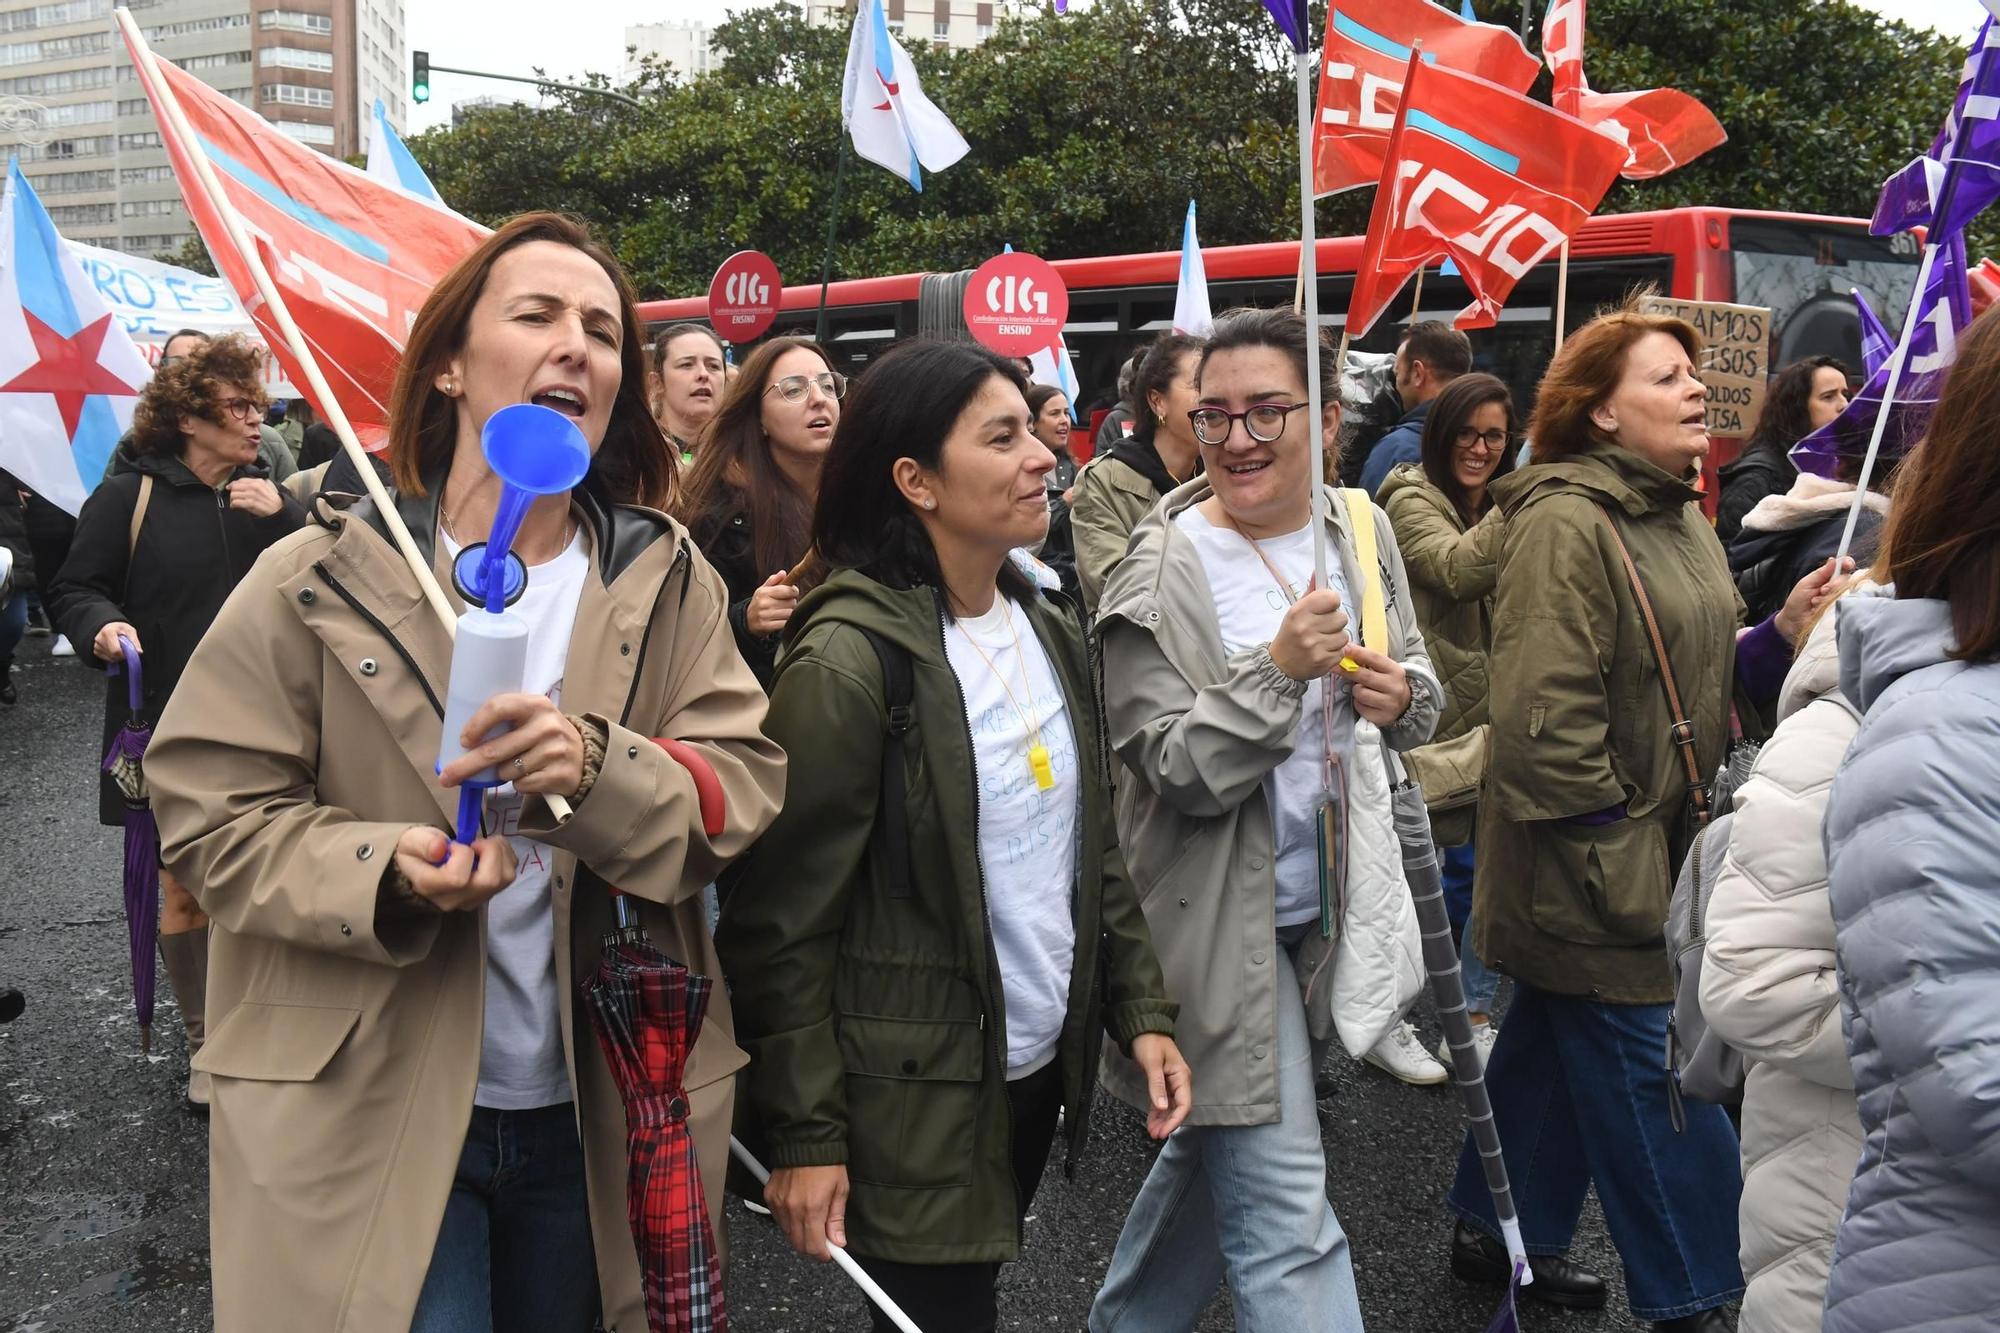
[(1452, 572), (1111, 497), (1580, 722)]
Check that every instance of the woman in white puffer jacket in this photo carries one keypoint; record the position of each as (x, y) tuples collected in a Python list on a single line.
[(1768, 989)]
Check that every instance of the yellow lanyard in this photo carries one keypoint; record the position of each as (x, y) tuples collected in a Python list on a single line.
[(1038, 753)]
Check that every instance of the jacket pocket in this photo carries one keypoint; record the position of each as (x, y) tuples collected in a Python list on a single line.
[(277, 1043), (912, 1099), (1605, 886)]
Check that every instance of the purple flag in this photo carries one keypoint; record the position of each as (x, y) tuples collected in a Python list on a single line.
[(1942, 317), (1962, 168), (1291, 17), (1876, 341)]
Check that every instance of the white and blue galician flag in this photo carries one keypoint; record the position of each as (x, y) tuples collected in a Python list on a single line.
[(1051, 366), (883, 106), (1940, 320), (1191, 309), (69, 375), (389, 160)]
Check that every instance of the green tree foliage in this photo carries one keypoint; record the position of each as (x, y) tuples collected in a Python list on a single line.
[(1090, 132), (193, 254)]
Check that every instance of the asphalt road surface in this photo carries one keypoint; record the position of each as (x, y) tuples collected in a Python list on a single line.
[(103, 1199)]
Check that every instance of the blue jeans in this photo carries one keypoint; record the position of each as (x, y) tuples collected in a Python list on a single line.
[(1455, 865), (1580, 1098), (1248, 1202), (514, 1253)]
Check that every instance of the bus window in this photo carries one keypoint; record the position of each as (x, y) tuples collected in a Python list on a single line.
[(1806, 274)]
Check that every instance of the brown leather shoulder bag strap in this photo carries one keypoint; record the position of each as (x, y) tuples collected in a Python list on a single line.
[(1683, 730)]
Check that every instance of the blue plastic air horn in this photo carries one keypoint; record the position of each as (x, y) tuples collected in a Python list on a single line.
[(535, 451)]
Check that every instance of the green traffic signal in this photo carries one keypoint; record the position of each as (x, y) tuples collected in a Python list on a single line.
[(420, 76)]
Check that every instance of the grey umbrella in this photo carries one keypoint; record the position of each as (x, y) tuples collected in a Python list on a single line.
[(1420, 867)]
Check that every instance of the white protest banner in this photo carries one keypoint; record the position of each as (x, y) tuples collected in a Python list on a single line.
[(1735, 358), (153, 301)]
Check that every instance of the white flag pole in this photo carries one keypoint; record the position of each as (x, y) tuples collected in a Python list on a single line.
[(1897, 359), (883, 1301), (1309, 281), (176, 124)]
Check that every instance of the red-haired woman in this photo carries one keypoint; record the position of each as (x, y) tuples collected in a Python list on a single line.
[(749, 500), (1586, 812), (412, 1127)]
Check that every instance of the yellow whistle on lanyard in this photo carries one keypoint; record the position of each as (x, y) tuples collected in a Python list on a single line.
[(1038, 763), (1374, 611)]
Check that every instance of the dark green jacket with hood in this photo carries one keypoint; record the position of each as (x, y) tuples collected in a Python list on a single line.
[(1580, 723), (876, 1025)]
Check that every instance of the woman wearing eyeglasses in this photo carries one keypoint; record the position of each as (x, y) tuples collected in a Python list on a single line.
[(1449, 533), (157, 551), (1245, 734), (749, 501)]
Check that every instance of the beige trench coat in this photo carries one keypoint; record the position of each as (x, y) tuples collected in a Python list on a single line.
[(345, 1052)]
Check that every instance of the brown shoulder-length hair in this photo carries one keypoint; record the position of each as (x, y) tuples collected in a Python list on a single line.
[(1586, 372), (634, 465), (1943, 535), (733, 467), (196, 385)]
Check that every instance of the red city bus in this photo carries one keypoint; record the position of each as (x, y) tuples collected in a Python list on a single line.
[(1803, 267)]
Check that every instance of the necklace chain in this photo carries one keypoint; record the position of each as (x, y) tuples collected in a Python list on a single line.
[(1038, 750), (451, 529)]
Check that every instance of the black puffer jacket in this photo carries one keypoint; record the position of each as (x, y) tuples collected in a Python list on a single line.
[(724, 535), (192, 550)]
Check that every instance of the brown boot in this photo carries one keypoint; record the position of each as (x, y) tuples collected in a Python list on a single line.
[(186, 957)]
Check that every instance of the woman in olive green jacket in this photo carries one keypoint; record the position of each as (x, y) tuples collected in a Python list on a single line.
[(1121, 485), (928, 944), (1586, 813), (1449, 531)]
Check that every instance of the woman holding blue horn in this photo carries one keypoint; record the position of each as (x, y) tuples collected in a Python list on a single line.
[(411, 1126)]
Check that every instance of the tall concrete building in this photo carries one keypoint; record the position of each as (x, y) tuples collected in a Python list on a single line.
[(72, 107), (679, 44)]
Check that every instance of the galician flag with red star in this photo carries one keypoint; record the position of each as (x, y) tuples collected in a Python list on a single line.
[(69, 375)]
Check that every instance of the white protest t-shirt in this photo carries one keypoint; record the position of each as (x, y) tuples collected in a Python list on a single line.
[(520, 1053), (1250, 606), (1027, 836)]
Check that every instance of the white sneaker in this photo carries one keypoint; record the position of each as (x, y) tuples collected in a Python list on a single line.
[(1401, 1054), (61, 647), (1483, 1037)]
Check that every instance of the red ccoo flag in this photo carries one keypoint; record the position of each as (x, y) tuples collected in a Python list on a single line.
[(1661, 128), (1368, 44), (1481, 175), (353, 258)]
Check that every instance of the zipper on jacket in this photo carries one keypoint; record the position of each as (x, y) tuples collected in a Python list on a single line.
[(437, 704), (222, 525), (985, 913), (646, 637)]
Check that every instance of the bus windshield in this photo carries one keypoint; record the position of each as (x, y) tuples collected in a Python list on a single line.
[(1806, 274)]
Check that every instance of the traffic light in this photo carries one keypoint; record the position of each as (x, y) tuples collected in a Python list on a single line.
[(420, 76)]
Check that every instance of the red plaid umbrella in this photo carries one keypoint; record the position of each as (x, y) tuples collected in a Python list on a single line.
[(648, 1011)]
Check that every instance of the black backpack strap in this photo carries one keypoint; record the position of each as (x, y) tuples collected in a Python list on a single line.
[(889, 843)]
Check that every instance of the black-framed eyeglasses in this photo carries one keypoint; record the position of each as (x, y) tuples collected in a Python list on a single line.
[(1495, 439), (243, 409), (1263, 422), (793, 387)]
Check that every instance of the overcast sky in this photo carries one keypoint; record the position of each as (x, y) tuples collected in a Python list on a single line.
[(567, 40)]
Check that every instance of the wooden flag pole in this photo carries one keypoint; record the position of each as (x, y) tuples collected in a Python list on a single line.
[(176, 124), (1562, 292), (1299, 285), (1416, 301)]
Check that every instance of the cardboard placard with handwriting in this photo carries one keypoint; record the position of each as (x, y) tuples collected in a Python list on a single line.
[(1736, 358)]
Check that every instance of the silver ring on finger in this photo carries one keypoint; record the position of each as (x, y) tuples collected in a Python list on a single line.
[(520, 766)]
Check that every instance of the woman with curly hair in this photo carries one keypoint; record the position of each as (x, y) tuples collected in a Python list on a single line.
[(157, 551)]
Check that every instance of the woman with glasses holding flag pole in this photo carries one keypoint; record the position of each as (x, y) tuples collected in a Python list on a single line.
[(749, 501)]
